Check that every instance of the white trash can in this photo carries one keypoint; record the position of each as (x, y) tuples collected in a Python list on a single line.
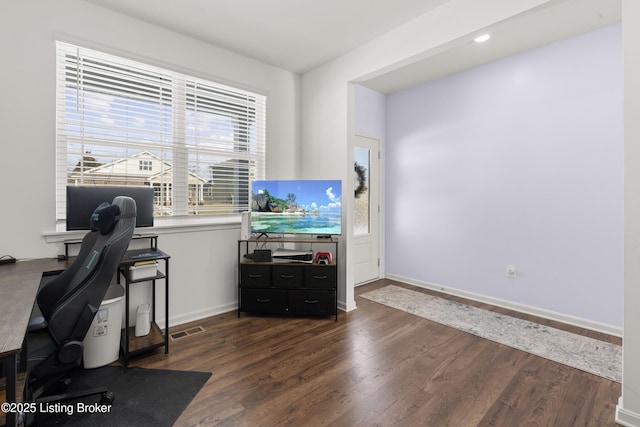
[(102, 342)]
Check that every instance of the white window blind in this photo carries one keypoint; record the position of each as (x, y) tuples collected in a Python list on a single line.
[(121, 122)]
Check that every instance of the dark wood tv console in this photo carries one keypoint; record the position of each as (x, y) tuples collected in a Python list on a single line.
[(281, 287)]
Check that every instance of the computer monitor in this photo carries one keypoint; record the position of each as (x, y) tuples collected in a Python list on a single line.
[(83, 199)]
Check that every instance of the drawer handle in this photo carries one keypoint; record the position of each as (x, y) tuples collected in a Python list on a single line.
[(263, 300), (320, 277), (255, 276), (284, 276), (315, 301)]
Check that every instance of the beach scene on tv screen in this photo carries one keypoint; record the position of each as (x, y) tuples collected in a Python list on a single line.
[(296, 206)]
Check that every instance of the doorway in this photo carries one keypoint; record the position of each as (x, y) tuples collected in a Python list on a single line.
[(366, 215)]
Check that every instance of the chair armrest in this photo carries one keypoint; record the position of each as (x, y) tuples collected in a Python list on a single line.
[(36, 324)]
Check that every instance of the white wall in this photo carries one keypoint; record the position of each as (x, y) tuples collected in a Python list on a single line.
[(203, 265), (628, 410), (518, 162)]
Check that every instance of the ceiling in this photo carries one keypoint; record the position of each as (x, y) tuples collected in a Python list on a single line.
[(536, 28), (299, 35)]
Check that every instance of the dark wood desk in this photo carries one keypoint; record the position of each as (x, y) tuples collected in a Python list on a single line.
[(18, 288)]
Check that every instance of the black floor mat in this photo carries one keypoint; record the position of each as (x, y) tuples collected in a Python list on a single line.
[(143, 397)]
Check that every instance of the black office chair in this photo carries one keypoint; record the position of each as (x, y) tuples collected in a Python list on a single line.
[(69, 301)]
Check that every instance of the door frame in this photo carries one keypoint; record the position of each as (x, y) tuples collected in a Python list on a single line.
[(377, 141)]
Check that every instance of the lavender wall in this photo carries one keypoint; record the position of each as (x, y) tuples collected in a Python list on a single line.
[(515, 162), (369, 114)]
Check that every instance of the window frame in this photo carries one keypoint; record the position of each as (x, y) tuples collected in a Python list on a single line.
[(189, 96)]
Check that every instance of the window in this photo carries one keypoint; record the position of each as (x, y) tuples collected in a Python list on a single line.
[(145, 165), (121, 122)]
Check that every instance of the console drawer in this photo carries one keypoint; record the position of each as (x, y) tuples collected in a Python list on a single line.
[(320, 277), (312, 302), (255, 276), (287, 276), (269, 301)]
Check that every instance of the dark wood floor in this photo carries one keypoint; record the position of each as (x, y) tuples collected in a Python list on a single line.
[(377, 366)]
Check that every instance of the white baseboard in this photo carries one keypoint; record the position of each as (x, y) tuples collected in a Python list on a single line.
[(625, 417), (214, 311), (199, 314), (523, 308)]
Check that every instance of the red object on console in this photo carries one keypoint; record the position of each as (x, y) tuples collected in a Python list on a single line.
[(323, 258)]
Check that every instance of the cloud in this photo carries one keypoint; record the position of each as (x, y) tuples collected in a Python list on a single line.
[(334, 201), (330, 195)]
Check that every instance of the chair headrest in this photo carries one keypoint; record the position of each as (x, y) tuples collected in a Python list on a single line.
[(127, 206), (104, 218)]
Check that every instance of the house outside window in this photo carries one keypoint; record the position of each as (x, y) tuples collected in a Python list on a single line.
[(120, 122)]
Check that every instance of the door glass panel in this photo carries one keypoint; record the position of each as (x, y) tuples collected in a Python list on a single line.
[(362, 161)]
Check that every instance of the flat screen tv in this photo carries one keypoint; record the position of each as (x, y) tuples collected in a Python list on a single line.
[(296, 207), (82, 200)]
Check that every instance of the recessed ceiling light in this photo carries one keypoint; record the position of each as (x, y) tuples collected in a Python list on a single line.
[(483, 38)]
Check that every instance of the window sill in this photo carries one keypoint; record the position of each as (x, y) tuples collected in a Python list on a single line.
[(161, 226)]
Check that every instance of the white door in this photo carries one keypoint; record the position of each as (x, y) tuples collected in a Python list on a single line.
[(366, 215)]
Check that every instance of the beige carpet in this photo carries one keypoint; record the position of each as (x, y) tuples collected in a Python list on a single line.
[(587, 354)]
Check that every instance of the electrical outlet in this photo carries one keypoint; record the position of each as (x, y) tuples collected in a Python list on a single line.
[(511, 271)]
